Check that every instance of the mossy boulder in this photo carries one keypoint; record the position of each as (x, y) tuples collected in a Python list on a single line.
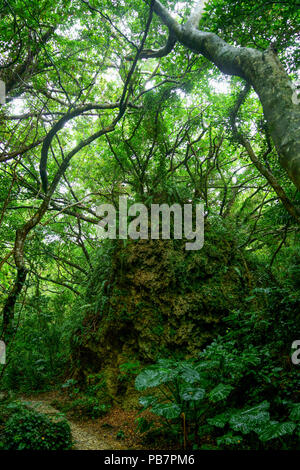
[(157, 299)]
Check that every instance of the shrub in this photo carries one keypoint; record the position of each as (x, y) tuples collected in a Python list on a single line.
[(29, 430), (241, 391), (207, 398), (87, 407)]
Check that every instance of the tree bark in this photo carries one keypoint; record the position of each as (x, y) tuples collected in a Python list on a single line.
[(9, 306), (288, 204)]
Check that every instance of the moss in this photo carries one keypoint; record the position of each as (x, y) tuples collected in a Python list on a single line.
[(161, 300)]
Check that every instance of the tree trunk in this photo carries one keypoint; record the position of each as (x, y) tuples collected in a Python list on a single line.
[(274, 88), (9, 306)]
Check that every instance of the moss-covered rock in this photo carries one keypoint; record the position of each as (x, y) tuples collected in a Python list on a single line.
[(157, 299)]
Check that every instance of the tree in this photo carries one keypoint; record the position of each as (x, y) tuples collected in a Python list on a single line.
[(262, 70), (143, 137)]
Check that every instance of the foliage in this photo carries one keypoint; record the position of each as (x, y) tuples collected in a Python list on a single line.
[(86, 407), (28, 430), (237, 391), (39, 354), (92, 312), (128, 370)]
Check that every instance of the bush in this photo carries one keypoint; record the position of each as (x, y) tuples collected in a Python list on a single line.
[(201, 399), (29, 430), (89, 407), (241, 391)]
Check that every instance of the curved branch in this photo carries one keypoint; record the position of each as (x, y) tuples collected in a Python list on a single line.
[(57, 127), (4, 157), (156, 54), (59, 283)]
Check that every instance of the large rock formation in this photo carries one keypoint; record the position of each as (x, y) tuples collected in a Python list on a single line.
[(158, 300)]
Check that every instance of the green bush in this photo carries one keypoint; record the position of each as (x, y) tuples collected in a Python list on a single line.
[(29, 430), (241, 391), (193, 391), (128, 370), (41, 344), (87, 406)]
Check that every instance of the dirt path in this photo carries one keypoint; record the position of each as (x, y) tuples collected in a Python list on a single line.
[(84, 439)]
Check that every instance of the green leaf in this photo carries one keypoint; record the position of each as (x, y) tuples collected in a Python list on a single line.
[(229, 439), (189, 374), (220, 392), (251, 419), (147, 401), (220, 420), (275, 430), (152, 377), (207, 365), (295, 413), (167, 410), (193, 394)]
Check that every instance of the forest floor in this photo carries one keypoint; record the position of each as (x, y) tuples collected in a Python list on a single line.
[(84, 437), (114, 431)]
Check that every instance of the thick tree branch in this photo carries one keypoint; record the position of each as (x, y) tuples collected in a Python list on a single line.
[(157, 54), (22, 232), (166, 18)]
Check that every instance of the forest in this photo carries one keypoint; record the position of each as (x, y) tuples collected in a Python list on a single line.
[(139, 343)]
